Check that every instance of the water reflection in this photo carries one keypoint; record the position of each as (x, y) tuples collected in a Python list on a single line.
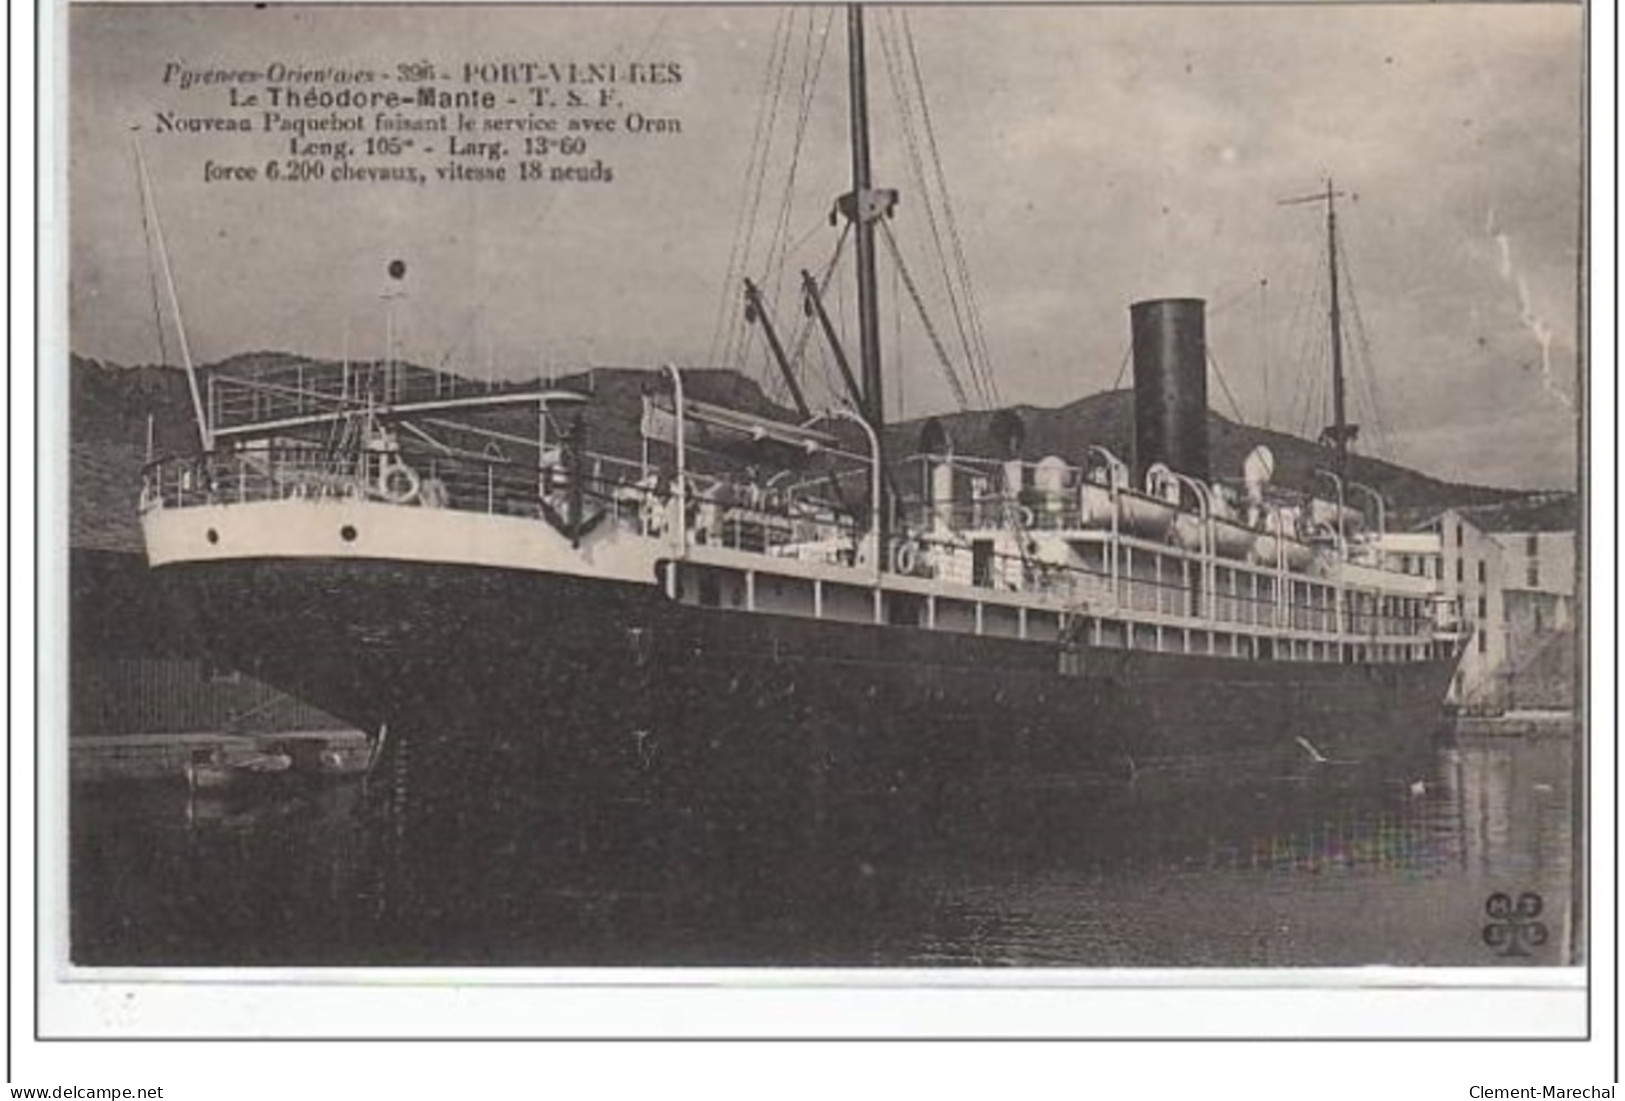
[(1330, 869)]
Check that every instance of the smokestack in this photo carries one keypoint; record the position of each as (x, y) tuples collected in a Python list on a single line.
[(1170, 386)]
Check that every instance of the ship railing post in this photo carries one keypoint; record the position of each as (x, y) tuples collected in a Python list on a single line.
[(1116, 550), (680, 525), (1116, 474), (541, 442), (877, 552), (1339, 598), (1382, 515), (1283, 584), (1205, 541)]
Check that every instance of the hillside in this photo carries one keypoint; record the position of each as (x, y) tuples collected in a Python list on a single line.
[(1107, 419), (110, 405)]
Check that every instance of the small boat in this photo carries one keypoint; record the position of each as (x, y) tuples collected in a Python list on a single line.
[(216, 769)]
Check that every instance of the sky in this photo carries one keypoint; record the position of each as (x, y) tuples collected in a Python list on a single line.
[(1095, 156)]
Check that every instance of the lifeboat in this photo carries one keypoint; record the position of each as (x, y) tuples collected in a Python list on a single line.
[(1231, 538), (1267, 550), (1138, 514), (1094, 506), (1334, 517), (1280, 541)]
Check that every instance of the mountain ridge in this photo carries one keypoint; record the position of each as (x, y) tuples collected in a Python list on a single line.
[(110, 406)]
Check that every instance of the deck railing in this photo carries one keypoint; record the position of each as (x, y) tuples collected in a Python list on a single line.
[(270, 393), (741, 517)]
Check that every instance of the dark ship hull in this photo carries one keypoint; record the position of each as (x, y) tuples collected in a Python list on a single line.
[(522, 628), (542, 683)]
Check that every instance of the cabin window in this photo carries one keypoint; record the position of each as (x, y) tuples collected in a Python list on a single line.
[(1043, 626), (710, 589), (1459, 533), (904, 609), (1532, 575), (1461, 570), (954, 615), (1483, 607), (1111, 633), (1483, 572), (1001, 621), (981, 563), (1531, 545), (1483, 642)]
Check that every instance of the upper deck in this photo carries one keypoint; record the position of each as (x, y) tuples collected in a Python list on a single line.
[(1042, 550)]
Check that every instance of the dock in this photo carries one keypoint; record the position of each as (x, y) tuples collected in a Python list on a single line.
[(155, 756)]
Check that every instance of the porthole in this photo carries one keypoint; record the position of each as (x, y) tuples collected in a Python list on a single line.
[(212, 536), (347, 533)]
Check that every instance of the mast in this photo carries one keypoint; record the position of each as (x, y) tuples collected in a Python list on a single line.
[(148, 201), (1340, 433), (868, 285), (1339, 430), (863, 206)]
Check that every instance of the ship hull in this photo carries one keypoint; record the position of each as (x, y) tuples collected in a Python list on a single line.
[(543, 682)]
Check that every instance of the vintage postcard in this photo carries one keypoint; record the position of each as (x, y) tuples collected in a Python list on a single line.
[(1043, 500)]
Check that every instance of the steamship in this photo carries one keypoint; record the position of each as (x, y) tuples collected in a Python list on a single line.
[(781, 604)]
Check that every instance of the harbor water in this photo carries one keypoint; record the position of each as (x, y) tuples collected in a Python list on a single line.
[(1466, 862)]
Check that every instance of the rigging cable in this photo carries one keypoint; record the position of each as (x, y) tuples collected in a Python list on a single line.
[(1231, 298), (152, 270), (482, 297), (1368, 371), (739, 332), (779, 251), (755, 162), (1297, 342), (722, 329), (1213, 361), (797, 356), (917, 167), (648, 43), (1122, 368), (925, 320), (1264, 341), (985, 368), (1313, 353), (811, 69), (901, 373)]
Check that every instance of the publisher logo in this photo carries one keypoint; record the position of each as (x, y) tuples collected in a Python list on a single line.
[(1512, 927)]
